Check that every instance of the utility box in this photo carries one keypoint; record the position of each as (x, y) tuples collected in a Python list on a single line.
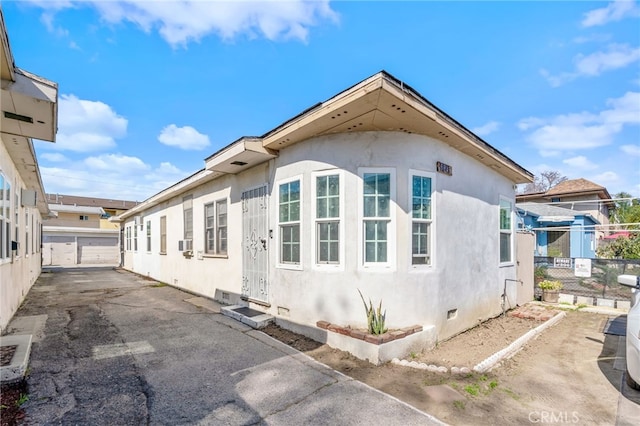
[(28, 197)]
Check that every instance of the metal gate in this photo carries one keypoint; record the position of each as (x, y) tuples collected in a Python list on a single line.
[(255, 240)]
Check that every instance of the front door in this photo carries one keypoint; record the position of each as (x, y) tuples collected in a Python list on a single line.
[(255, 242)]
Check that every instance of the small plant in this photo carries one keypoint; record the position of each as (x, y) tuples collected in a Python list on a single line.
[(472, 389), (158, 285), (540, 273), (23, 398), (459, 404), (375, 318), (413, 355), (550, 285), (493, 384)]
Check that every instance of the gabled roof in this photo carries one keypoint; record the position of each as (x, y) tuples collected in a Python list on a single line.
[(378, 103), (384, 103), (578, 187)]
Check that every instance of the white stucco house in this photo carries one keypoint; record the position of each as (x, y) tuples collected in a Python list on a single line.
[(28, 105), (375, 189)]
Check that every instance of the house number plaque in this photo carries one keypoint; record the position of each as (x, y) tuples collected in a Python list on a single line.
[(444, 168)]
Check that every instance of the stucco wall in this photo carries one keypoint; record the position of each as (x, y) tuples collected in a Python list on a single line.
[(466, 275), (19, 272)]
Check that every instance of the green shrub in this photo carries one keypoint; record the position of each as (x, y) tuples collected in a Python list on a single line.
[(375, 318), (550, 285)]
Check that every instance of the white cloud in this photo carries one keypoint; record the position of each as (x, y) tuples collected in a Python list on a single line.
[(592, 38), (115, 161), (606, 179), (614, 11), (633, 150), (54, 157), (580, 162), (583, 130), (185, 137), (486, 129), (85, 126), (179, 23), (616, 56), (120, 177)]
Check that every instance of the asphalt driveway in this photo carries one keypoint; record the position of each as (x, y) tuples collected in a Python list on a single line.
[(113, 348)]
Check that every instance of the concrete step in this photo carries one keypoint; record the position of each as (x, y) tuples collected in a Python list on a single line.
[(17, 368), (246, 315)]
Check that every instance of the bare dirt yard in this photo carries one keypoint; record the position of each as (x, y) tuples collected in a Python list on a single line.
[(565, 375)]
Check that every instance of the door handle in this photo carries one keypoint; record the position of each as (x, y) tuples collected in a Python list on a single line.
[(264, 243)]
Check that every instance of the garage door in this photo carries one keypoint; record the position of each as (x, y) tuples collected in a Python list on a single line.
[(98, 250), (59, 251)]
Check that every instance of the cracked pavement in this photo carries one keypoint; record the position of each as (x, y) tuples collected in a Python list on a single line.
[(120, 349)]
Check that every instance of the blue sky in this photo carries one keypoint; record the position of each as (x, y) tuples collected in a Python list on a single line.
[(147, 90)]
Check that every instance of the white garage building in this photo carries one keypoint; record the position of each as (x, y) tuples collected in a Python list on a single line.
[(75, 238)]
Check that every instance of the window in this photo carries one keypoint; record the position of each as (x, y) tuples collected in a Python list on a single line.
[(327, 215), (148, 235), (163, 234), (216, 227), (421, 219), (221, 227), (26, 232), (84, 217), (289, 218), (17, 224), (505, 231), (128, 237), (187, 215), (135, 237), (5, 218), (377, 216)]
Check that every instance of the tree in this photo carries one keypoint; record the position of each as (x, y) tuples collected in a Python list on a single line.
[(621, 248), (544, 182), (626, 210)]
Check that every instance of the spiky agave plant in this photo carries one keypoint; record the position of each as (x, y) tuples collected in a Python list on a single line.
[(375, 318)]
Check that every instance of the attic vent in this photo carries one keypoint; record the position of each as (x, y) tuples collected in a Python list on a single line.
[(238, 163), (18, 117), (443, 134), (480, 156)]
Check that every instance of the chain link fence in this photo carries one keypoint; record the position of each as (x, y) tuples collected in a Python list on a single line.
[(603, 282)]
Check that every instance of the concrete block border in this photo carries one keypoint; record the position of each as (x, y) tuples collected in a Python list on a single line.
[(515, 346), (492, 360)]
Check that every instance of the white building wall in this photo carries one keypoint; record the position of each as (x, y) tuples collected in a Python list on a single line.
[(466, 276), (20, 270)]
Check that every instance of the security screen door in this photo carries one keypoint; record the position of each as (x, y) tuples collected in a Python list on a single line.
[(255, 244)]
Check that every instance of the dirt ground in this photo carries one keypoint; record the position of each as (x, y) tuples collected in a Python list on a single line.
[(565, 375)]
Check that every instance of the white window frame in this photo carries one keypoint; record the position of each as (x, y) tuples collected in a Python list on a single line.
[(163, 234), (5, 219), (511, 230), (294, 266), (127, 236), (390, 264), (148, 231), (135, 238), (431, 222), (339, 266), (215, 228), (84, 217)]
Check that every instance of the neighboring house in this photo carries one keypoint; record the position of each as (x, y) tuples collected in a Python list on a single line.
[(375, 189), (580, 195), (559, 232), (81, 233), (29, 110), (111, 207)]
